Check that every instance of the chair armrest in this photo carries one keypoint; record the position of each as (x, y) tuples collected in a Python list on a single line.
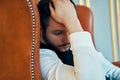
[(117, 63)]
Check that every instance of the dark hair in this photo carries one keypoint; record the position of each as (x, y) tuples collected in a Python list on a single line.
[(44, 10)]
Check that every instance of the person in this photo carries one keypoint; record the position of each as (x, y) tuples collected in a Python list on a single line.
[(66, 51)]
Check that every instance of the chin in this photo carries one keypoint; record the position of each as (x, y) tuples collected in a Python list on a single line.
[(62, 51), (65, 50)]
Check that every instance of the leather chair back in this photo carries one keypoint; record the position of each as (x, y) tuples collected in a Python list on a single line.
[(19, 40), (86, 19)]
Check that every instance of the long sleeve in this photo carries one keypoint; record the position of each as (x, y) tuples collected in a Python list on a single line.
[(88, 64), (112, 72), (52, 68), (109, 70)]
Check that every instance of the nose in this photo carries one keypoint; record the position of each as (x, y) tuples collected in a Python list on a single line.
[(66, 38)]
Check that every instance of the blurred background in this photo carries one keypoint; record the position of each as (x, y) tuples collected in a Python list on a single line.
[(106, 26)]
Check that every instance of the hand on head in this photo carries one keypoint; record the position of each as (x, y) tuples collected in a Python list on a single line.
[(64, 12)]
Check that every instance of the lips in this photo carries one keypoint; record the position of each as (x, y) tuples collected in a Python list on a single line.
[(66, 46)]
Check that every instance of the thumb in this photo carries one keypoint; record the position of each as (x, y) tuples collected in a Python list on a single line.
[(52, 11)]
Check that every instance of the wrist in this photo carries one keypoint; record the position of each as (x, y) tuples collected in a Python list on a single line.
[(73, 25)]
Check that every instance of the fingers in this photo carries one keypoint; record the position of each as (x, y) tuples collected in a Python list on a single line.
[(51, 9)]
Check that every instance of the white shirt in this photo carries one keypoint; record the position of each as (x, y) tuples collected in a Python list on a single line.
[(88, 63)]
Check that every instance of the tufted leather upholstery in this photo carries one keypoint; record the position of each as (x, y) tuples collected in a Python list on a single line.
[(19, 40)]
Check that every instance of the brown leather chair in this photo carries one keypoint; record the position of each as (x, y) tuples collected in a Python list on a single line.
[(117, 63), (20, 37), (86, 19), (19, 40)]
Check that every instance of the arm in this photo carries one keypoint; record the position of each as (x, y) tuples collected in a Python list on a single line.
[(86, 66), (86, 61)]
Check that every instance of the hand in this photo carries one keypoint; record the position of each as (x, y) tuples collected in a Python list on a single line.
[(64, 12)]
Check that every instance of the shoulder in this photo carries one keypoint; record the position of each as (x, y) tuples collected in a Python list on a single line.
[(48, 62), (47, 53)]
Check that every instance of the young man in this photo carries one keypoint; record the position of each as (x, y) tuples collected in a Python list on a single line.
[(61, 30)]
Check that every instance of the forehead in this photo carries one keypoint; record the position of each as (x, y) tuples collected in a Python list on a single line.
[(54, 25)]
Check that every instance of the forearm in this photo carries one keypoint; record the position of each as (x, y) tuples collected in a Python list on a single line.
[(87, 66), (73, 25)]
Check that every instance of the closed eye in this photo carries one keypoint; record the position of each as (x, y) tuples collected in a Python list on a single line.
[(58, 32)]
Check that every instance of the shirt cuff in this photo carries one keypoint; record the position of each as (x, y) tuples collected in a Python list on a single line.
[(81, 39)]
